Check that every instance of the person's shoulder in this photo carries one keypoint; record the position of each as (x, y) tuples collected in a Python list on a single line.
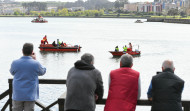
[(16, 61), (177, 77), (72, 68), (96, 71), (135, 71), (115, 70), (34, 62)]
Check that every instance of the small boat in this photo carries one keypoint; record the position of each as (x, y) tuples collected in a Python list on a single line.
[(68, 48), (138, 21), (39, 19), (120, 53)]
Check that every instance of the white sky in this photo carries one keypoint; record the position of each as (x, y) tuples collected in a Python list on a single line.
[(76, 0)]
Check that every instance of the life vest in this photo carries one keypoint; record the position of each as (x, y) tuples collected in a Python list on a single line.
[(125, 49), (117, 49), (123, 90), (45, 38)]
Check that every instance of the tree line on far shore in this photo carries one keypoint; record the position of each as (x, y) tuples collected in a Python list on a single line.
[(64, 12), (93, 8)]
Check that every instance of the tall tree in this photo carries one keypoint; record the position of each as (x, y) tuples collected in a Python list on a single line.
[(120, 3)]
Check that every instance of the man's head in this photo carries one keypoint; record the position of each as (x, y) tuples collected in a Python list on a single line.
[(27, 49), (88, 58), (126, 61), (168, 64)]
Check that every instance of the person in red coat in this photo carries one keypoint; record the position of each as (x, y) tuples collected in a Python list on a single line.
[(124, 87)]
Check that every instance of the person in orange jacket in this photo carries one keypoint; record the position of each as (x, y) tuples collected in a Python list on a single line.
[(44, 41)]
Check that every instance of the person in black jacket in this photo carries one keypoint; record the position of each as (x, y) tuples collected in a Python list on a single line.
[(84, 85), (165, 89)]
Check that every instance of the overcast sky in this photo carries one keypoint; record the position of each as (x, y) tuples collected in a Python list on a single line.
[(76, 0)]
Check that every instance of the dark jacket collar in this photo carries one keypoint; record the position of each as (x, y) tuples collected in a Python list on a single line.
[(168, 70), (82, 65)]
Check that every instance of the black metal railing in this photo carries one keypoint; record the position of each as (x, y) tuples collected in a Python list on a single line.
[(61, 100), (142, 102), (41, 81)]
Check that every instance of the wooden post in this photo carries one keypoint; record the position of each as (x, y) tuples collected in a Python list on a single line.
[(10, 94), (61, 101)]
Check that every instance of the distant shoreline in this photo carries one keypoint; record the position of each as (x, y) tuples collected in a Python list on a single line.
[(169, 20), (80, 17)]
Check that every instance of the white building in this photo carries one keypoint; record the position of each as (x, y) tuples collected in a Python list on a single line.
[(10, 9), (51, 8), (131, 7), (77, 8)]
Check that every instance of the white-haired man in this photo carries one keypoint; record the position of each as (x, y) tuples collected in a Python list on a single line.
[(124, 88), (165, 89)]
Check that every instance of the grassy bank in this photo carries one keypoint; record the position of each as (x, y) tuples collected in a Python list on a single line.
[(170, 17)]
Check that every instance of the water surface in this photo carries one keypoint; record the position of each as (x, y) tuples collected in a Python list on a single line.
[(157, 41)]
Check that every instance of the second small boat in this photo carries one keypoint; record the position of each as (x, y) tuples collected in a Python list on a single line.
[(39, 19), (120, 53)]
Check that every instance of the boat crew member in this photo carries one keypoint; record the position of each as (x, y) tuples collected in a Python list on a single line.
[(64, 44), (130, 47), (44, 41), (116, 49), (54, 44), (125, 48)]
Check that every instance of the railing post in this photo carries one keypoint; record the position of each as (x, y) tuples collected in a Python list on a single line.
[(186, 108), (10, 94), (61, 101)]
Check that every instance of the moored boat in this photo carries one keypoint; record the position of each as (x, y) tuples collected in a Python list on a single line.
[(39, 19), (120, 53), (68, 48), (138, 21)]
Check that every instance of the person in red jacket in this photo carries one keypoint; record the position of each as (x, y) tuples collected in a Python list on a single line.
[(124, 87), (44, 41)]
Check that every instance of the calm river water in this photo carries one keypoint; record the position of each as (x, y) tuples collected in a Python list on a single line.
[(157, 41)]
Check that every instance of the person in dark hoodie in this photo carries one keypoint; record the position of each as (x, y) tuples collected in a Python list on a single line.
[(84, 85)]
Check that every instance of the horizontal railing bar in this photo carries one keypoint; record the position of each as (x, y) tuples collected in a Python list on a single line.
[(48, 81), (6, 93), (51, 81), (54, 103), (141, 102), (6, 104)]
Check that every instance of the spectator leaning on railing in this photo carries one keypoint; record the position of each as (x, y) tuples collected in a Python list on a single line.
[(25, 82), (84, 85), (124, 87), (165, 89)]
